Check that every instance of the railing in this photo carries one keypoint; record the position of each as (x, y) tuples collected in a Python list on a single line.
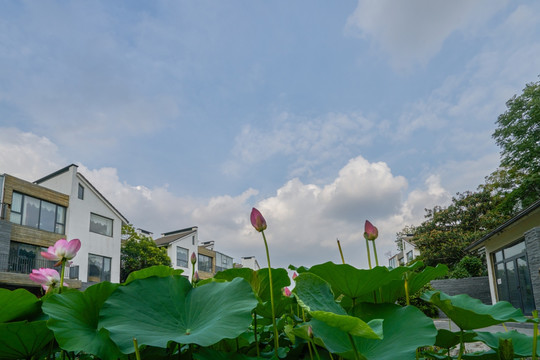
[(22, 265)]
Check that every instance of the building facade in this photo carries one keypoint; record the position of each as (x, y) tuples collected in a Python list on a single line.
[(63, 204), (180, 244)]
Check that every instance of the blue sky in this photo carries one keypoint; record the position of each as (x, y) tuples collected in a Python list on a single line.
[(321, 114)]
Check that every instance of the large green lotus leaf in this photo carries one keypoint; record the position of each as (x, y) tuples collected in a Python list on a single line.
[(469, 313), (74, 319), (157, 270), (356, 284), (245, 273), (521, 342), (395, 289), (280, 279), (447, 339), (158, 310), (404, 328), (17, 305), (315, 295), (282, 305), (23, 339)]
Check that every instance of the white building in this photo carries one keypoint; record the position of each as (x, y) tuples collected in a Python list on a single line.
[(407, 255), (91, 218), (180, 245), (250, 262)]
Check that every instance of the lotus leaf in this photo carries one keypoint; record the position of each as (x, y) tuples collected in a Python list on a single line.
[(17, 305), (169, 309), (23, 339), (74, 319), (521, 342), (469, 313), (157, 270)]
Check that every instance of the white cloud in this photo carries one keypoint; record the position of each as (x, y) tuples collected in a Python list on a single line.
[(414, 31)]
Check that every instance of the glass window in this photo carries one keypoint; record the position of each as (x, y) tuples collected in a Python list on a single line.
[(181, 257), (101, 225), (514, 250), (409, 256), (498, 256), (80, 192), (25, 257), (99, 268), (205, 263), (223, 262), (40, 214)]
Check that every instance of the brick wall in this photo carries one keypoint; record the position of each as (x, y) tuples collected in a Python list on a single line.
[(476, 287)]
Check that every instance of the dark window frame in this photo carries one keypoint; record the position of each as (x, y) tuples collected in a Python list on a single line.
[(103, 274), (180, 262), (80, 192), (57, 224), (103, 217)]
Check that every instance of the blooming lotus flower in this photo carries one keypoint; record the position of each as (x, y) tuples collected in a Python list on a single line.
[(62, 250), (193, 258), (257, 220), (286, 292), (370, 231), (47, 278)]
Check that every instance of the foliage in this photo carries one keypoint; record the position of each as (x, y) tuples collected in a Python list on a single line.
[(219, 319), (139, 252), (469, 266), (427, 308)]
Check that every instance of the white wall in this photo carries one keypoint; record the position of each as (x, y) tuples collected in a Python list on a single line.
[(189, 242), (78, 223)]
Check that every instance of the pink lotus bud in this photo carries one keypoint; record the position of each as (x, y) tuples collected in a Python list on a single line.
[(294, 275), (62, 250), (196, 276), (286, 292), (370, 231), (257, 220), (310, 332), (47, 278), (193, 258)]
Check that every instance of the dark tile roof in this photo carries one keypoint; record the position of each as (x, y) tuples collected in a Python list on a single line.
[(174, 235)]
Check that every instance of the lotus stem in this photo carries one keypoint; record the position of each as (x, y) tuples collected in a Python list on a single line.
[(255, 333), (309, 348), (276, 335), (375, 253), (368, 254), (136, 346), (62, 276), (356, 355), (535, 335), (340, 251), (461, 344), (406, 285), (315, 349)]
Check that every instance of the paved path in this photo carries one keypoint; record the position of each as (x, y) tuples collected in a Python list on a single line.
[(525, 328)]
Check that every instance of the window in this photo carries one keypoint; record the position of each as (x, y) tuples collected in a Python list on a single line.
[(181, 257), (99, 268), (223, 262), (392, 262), (409, 256), (25, 257), (205, 263), (80, 194), (40, 214), (193, 240), (101, 225)]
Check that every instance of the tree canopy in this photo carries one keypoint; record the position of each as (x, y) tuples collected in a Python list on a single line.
[(139, 252)]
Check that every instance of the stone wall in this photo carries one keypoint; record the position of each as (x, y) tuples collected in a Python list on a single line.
[(5, 236), (532, 242), (476, 287)]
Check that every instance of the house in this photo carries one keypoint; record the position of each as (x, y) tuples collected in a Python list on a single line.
[(63, 204), (250, 262), (180, 245), (211, 261), (513, 259), (408, 253)]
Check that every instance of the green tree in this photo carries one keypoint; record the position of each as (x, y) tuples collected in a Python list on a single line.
[(139, 252), (518, 136)]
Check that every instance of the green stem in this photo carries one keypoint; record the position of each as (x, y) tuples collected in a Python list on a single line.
[(368, 254), (309, 348), (375, 253), (62, 276), (356, 355), (461, 344), (340, 251), (535, 335), (315, 349), (255, 333), (406, 285), (136, 346), (276, 336)]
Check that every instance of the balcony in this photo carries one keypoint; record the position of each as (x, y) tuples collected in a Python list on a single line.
[(23, 265)]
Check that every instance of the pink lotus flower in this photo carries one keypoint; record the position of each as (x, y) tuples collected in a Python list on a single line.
[(294, 275), (286, 292), (193, 258), (47, 278), (370, 231), (257, 220), (62, 250)]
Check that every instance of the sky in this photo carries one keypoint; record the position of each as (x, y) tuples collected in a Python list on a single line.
[(321, 114)]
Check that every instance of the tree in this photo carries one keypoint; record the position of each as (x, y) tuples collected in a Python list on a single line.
[(139, 252), (518, 135)]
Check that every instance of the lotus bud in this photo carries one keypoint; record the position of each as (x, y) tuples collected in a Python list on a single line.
[(286, 292), (257, 220), (193, 258), (196, 277), (310, 332), (370, 231), (294, 275)]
